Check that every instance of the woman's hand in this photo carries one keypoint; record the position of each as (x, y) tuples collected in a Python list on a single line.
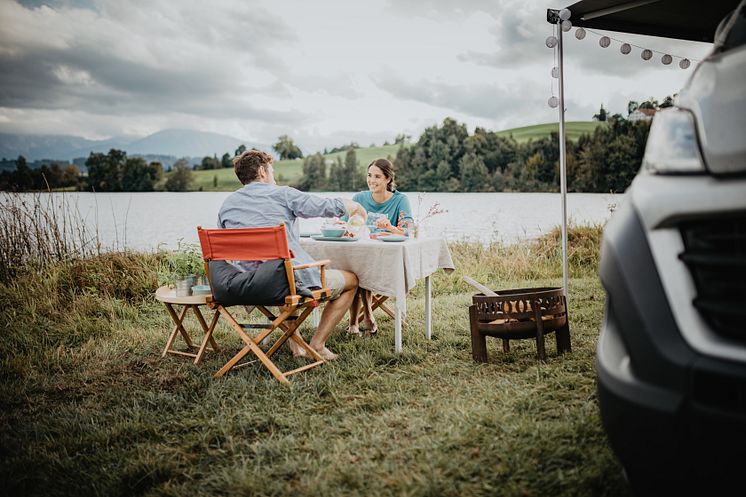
[(383, 223)]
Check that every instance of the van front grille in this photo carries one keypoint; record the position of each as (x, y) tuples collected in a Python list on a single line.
[(715, 253)]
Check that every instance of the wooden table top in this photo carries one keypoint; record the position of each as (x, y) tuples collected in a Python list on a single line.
[(168, 295)]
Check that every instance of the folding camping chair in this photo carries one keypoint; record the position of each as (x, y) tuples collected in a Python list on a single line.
[(377, 300), (252, 244)]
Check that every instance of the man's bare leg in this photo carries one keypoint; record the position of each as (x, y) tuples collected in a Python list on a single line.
[(333, 313)]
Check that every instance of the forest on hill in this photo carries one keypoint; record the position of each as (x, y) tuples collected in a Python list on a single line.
[(446, 158)]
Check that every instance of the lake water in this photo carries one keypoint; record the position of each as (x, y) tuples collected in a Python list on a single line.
[(143, 221)]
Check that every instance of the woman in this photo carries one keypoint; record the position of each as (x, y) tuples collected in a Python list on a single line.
[(388, 211)]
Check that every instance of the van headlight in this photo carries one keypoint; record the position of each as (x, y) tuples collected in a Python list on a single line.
[(672, 146)]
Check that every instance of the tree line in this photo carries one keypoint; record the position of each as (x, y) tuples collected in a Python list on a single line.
[(115, 172), (447, 158), (444, 158)]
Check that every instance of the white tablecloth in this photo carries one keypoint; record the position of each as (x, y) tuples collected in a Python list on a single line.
[(387, 268)]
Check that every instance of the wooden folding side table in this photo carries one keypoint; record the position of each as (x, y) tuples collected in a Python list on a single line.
[(168, 297)]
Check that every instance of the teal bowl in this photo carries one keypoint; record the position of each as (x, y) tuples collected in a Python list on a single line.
[(201, 290), (332, 232)]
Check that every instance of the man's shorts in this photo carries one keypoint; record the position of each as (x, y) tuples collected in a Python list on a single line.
[(335, 280)]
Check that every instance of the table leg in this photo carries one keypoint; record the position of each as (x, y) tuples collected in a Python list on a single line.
[(178, 328), (397, 327), (315, 317), (208, 337), (428, 308), (207, 330)]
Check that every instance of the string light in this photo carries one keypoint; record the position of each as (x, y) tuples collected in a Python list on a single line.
[(604, 42), (645, 53), (553, 101)]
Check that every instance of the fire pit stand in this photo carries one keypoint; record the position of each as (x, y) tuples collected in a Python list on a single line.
[(519, 314)]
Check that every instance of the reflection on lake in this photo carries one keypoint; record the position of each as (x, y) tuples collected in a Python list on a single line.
[(142, 221)]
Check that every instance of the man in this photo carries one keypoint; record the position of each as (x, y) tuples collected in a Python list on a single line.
[(262, 203)]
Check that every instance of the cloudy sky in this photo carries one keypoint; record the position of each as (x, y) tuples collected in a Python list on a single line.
[(325, 72)]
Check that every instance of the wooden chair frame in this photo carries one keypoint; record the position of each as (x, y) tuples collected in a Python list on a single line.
[(264, 244), (376, 302), (208, 342)]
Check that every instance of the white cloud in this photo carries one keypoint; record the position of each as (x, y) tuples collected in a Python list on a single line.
[(325, 73)]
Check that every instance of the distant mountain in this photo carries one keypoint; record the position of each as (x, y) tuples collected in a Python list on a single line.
[(37, 147), (186, 143), (171, 142)]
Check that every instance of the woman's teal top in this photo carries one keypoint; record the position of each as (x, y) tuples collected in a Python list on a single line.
[(396, 208)]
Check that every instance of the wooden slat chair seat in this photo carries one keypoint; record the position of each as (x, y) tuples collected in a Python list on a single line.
[(252, 244)]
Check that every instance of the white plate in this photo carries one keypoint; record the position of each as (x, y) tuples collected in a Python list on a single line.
[(333, 238), (393, 238)]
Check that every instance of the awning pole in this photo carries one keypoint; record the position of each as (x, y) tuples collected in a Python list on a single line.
[(563, 162)]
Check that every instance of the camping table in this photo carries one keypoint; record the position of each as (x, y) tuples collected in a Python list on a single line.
[(388, 268), (168, 297)]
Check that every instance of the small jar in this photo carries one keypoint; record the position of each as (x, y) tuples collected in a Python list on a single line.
[(184, 287)]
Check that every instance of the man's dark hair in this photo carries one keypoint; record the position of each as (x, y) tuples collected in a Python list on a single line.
[(248, 163)]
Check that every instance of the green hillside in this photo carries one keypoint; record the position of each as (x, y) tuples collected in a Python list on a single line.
[(573, 130), (288, 172)]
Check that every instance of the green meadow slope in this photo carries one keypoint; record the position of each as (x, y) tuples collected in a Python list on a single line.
[(573, 129)]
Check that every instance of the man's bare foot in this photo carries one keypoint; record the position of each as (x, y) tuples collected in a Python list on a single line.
[(327, 354), (371, 328), (296, 349), (353, 329)]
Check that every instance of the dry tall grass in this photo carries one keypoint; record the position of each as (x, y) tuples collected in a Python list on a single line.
[(37, 229)]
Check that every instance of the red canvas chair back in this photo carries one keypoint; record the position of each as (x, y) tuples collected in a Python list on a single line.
[(244, 244), (261, 244)]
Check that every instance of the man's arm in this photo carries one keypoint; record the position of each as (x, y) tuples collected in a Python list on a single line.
[(353, 208), (308, 205)]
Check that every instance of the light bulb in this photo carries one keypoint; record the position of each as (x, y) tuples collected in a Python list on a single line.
[(565, 14), (553, 101), (580, 33), (646, 54), (684, 63), (604, 41), (566, 25), (625, 48), (551, 41), (555, 72), (666, 59)]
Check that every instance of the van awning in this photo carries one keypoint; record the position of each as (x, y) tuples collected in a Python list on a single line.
[(694, 20)]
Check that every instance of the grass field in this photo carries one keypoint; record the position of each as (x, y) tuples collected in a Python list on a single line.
[(289, 171), (90, 408), (573, 130)]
